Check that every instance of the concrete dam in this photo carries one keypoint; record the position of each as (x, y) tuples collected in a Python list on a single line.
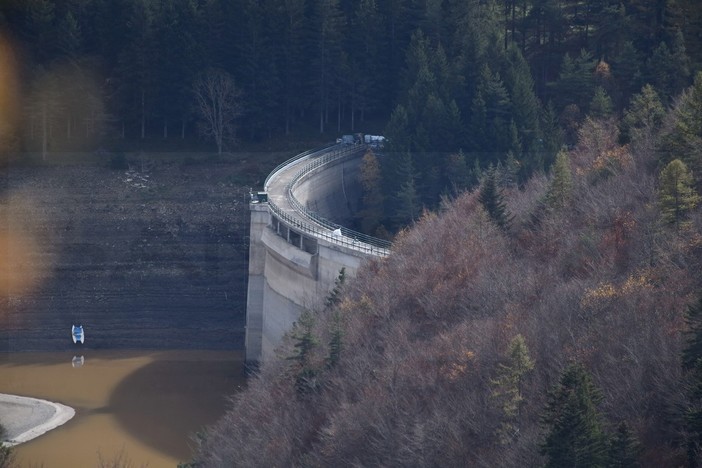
[(299, 242)]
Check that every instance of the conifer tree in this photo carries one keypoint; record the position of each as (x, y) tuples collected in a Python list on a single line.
[(552, 140), (676, 193), (406, 200), (668, 67), (457, 173), (508, 385), (336, 341), (397, 130), (490, 197), (525, 104), (626, 67), (305, 343), (644, 115), (574, 428), (510, 175), (490, 115), (685, 139), (601, 105), (335, 295), (371, 213), (624, 448), (575, 83), (561, 188), (304, 339)]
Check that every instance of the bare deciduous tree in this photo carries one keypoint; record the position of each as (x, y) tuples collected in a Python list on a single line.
[(218, 101)]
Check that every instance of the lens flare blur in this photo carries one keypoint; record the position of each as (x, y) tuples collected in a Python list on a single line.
[(9, 98)]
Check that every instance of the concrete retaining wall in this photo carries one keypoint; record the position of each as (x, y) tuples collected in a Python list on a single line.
[(284, 279)]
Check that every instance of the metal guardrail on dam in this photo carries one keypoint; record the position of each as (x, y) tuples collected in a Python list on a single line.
[(311, 223)]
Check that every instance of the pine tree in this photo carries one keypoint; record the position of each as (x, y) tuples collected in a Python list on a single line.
[(601, 105), (490, 197), (624, 448), (490, 115), (508, 386), (335, 294), (525, 104), (405, 201), (398, 131), (292, 63), (457, 174), (336, 341), (643, 117), (327, 26), (304, 339), (371, 213), (668, 67), (574, 428), (365, 49), (551, 142), (685, 139), (576, 82), (626, 68), (561, 188), (677, 195)]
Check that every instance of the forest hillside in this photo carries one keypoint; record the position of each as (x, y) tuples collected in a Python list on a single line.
[(555, 323)]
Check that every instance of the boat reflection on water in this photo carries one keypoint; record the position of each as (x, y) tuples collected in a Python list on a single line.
[(77, 361)]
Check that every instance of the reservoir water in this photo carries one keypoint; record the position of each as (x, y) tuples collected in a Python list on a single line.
[(142, 406)]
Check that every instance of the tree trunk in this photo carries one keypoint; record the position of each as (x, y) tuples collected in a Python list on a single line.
[(45, 132), (143, 114), (165, 128), (321, 116), (353, 117)]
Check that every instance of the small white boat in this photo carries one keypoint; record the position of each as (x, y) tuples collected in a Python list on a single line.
[(77, 333)]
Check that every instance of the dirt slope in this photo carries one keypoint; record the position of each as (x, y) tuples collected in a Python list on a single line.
[(148, 258)]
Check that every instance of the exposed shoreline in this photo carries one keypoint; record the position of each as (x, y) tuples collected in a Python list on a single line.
[(26, 418)]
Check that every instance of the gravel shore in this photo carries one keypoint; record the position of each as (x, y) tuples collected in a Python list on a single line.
[(25, 418)]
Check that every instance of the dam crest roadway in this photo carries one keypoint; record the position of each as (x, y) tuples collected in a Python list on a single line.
[(299, 242)]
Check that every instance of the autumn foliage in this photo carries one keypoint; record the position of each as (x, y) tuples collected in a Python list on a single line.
[(600, 280)]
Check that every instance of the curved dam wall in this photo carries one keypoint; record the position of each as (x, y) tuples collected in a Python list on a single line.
[(293, 261), (332, 191)]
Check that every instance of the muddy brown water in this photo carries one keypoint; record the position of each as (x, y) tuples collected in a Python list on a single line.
[(142, 406)]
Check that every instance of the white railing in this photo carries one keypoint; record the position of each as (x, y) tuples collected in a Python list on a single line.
[(312, 223)]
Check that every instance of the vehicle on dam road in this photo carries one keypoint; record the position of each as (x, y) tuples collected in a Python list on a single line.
[(77, 334)]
